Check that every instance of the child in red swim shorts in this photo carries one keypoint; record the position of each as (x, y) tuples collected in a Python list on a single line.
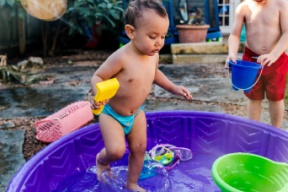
[(267, 39), (273, 78)]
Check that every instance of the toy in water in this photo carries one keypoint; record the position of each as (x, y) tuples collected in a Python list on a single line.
[(105, 90), (64, 121), (170, 155), (247, 172), (244, 74), (162, 154), (151, 168)]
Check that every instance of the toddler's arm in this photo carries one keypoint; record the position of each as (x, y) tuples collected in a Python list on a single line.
[(282, 45), (107, 70), (165, 83), (234, 38)]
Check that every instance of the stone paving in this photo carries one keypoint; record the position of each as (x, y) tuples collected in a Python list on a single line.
[(195, 71), (211, 90), (11, 157), (39, 101), (65, 74), (156, 105)]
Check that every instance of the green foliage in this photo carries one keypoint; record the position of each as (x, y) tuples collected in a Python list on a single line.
[(12, 73), (12, 5), (108, 13)]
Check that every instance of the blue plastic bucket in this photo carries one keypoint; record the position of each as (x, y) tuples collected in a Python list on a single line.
[(244, 74)]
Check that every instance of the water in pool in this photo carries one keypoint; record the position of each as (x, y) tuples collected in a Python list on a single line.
[(191, 176)]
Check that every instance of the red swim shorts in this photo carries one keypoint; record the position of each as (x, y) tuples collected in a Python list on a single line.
[(273, 78)]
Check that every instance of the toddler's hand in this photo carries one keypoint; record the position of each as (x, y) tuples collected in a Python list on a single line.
[(267, 59), (229, 58), (180, 90), (97, 105)]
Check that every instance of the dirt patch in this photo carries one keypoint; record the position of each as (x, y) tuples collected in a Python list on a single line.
[(31, 144)]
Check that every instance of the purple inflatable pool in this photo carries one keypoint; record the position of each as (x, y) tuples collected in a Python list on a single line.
[(208, 135)]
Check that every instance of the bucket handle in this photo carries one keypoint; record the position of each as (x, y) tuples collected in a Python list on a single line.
[(248, 87)]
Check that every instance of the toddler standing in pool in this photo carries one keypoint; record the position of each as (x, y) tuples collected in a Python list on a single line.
[(266, 23), (135, 66)]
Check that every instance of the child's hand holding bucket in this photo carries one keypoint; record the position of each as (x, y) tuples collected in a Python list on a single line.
[(244, 74), (231, 57), (267, 59)]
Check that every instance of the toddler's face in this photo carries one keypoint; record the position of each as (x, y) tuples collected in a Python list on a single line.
[(150, 33)]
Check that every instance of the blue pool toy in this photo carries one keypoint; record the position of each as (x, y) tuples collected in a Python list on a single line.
[(150, 168), (244, 74)]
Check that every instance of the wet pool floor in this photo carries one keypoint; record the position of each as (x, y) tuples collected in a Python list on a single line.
[(191, 176)]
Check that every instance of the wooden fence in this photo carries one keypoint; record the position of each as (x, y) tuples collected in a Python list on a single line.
[(15, 32)]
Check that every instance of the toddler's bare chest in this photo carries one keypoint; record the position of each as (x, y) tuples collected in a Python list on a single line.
[(140, 78), (258, 18)]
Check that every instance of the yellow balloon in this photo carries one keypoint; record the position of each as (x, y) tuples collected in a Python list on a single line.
[(48, 10)]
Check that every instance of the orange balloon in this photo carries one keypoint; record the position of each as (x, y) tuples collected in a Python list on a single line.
[(48, 10)]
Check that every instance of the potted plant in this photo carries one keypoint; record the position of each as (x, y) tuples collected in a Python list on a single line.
[(193, 28)]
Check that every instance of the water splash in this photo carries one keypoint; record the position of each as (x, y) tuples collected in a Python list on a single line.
[(115, 181), (189, 176)]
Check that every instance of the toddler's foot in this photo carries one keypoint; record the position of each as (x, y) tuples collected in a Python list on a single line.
[(134, 187), (100, 168)]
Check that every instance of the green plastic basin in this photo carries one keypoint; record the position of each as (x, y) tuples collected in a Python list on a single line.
[(246, 172)]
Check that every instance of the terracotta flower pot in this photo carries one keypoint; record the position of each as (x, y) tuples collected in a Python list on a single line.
[(192, 33)]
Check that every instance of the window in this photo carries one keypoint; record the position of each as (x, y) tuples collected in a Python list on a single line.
[(226, 11)]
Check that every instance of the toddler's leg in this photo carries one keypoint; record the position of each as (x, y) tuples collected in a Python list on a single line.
[(276, 110), (114, 140), (137, 140), (254, 109)]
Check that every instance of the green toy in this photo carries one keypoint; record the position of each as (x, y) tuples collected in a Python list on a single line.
[(240, 172)]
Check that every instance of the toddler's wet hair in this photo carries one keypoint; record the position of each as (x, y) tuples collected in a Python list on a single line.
[(136, 8)]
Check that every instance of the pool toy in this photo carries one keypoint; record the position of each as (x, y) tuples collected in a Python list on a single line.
[(181, 154), (247, 172), (150, 167), (68, 119), (170, 155), (208, 135), (244, 74), (162, 154), (105, 90)]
